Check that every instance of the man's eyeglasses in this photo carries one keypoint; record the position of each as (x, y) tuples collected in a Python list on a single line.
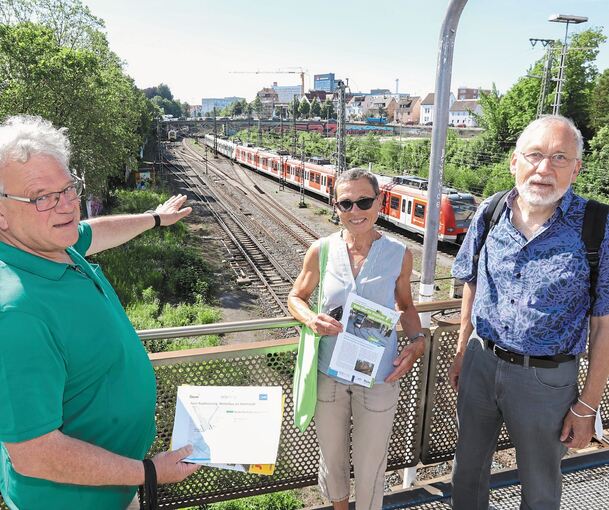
[(363, 203), (556, 160), (48, 201)]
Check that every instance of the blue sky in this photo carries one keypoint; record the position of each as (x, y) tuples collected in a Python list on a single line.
[(193, 45)]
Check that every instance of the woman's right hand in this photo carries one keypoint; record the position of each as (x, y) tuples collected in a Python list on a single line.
[(323, 324)]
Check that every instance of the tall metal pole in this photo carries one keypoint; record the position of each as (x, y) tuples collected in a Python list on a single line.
[(563, 18), (302, 172), (294, 136), (341, 142), (561, 73), (259, 134), (438, 147), (215, 135), (545, 78)]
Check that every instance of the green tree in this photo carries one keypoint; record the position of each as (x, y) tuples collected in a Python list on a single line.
[(71, 23), (580, 78), (304, 108), (599, 102), (593, 180), (327, 110), (82, 89), (257, 106), (315, 108), (167, 106), (295, 108)]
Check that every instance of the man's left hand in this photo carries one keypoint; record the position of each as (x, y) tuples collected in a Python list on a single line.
[(577, 432), (407, 358), (170, 211)]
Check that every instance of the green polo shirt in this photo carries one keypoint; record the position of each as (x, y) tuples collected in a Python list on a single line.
[(69, 360)]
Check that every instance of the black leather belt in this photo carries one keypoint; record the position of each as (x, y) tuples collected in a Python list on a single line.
[(533, 361)]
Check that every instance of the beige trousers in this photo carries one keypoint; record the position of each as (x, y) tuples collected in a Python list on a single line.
[(372, 410)]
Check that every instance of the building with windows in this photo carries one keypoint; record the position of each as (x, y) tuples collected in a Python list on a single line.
[(268, 98), (286, 93), (325, 82), (427, 108), (380, 92), (469, 93), (209, 103), (463, 113), (408, 110)]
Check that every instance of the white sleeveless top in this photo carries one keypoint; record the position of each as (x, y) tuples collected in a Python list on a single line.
[(375, 281)]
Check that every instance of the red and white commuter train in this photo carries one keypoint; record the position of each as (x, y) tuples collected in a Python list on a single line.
[(404, 197)]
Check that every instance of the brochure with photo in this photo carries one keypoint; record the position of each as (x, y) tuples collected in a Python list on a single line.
[(360, 347)]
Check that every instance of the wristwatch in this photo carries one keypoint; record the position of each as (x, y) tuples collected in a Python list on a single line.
[(157, 218), (420, 334)]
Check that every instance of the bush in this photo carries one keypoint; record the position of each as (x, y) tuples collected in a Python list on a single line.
[(147, 313), (159, 278), (274, 501)]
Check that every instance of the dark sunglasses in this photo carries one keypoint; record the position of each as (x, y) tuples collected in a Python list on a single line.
[(363, 204)]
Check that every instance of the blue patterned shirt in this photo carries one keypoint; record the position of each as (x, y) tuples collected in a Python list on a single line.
[(532, 296)]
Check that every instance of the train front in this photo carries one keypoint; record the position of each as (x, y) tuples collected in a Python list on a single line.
[(456, 215)]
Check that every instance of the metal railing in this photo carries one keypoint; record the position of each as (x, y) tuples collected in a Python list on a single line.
[(424, 428)]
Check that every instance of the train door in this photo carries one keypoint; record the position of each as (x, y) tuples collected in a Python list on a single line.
[(393, 209), (418, 213), (406, 210)]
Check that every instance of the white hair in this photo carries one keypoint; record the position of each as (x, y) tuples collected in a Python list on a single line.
[(547, 121), (23, 136)]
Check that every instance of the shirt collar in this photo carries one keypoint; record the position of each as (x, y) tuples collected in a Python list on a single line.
[(31, 263)]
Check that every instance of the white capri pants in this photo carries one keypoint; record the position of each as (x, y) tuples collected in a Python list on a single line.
[(372, 410)]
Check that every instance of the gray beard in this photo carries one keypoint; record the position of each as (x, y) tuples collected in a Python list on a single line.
[(537, 199)]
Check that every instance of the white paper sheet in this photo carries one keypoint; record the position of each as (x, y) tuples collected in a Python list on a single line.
[(229, 424)]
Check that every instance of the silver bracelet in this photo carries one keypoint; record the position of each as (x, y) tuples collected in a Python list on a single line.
[(584, 404), (420, 334), (581, 415)]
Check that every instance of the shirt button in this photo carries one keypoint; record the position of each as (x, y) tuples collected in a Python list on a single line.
[(512, 301), (506, 327), (517, 275)]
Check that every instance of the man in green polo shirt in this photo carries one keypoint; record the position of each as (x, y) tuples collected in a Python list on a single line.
[(77, 392)]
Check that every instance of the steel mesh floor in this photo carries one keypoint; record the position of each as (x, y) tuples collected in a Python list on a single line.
[(586, 489)]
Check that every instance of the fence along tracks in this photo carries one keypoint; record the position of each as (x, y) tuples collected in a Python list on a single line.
[(250, 259)]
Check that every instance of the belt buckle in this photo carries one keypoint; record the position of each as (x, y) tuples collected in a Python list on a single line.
[(497, 347)]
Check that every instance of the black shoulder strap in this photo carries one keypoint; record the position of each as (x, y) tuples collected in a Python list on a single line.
[(593, 232), (491, 217)]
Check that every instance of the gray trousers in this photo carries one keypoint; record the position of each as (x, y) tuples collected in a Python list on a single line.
[(532, 402)]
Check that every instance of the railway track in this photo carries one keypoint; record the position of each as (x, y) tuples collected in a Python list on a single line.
[(251, 261), (446, 250), (290, 224)]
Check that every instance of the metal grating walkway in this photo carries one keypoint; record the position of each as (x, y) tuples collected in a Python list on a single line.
[(585, 487)]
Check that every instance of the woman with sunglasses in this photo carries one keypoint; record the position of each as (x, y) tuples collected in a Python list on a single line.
[(364, 261)]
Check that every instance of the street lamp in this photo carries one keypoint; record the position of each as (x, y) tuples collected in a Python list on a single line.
[(563, 18)]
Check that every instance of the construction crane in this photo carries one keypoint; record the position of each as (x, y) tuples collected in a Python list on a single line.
[(297, 70)]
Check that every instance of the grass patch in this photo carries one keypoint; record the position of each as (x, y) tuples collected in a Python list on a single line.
[(287, 500)]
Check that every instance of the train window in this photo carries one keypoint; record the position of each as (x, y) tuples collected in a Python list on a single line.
[(323, 180), (403, 205), (394, 203), (409, 207), (419, 210)]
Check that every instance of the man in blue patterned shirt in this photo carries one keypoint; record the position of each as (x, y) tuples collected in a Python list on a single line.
[(524, 322)]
